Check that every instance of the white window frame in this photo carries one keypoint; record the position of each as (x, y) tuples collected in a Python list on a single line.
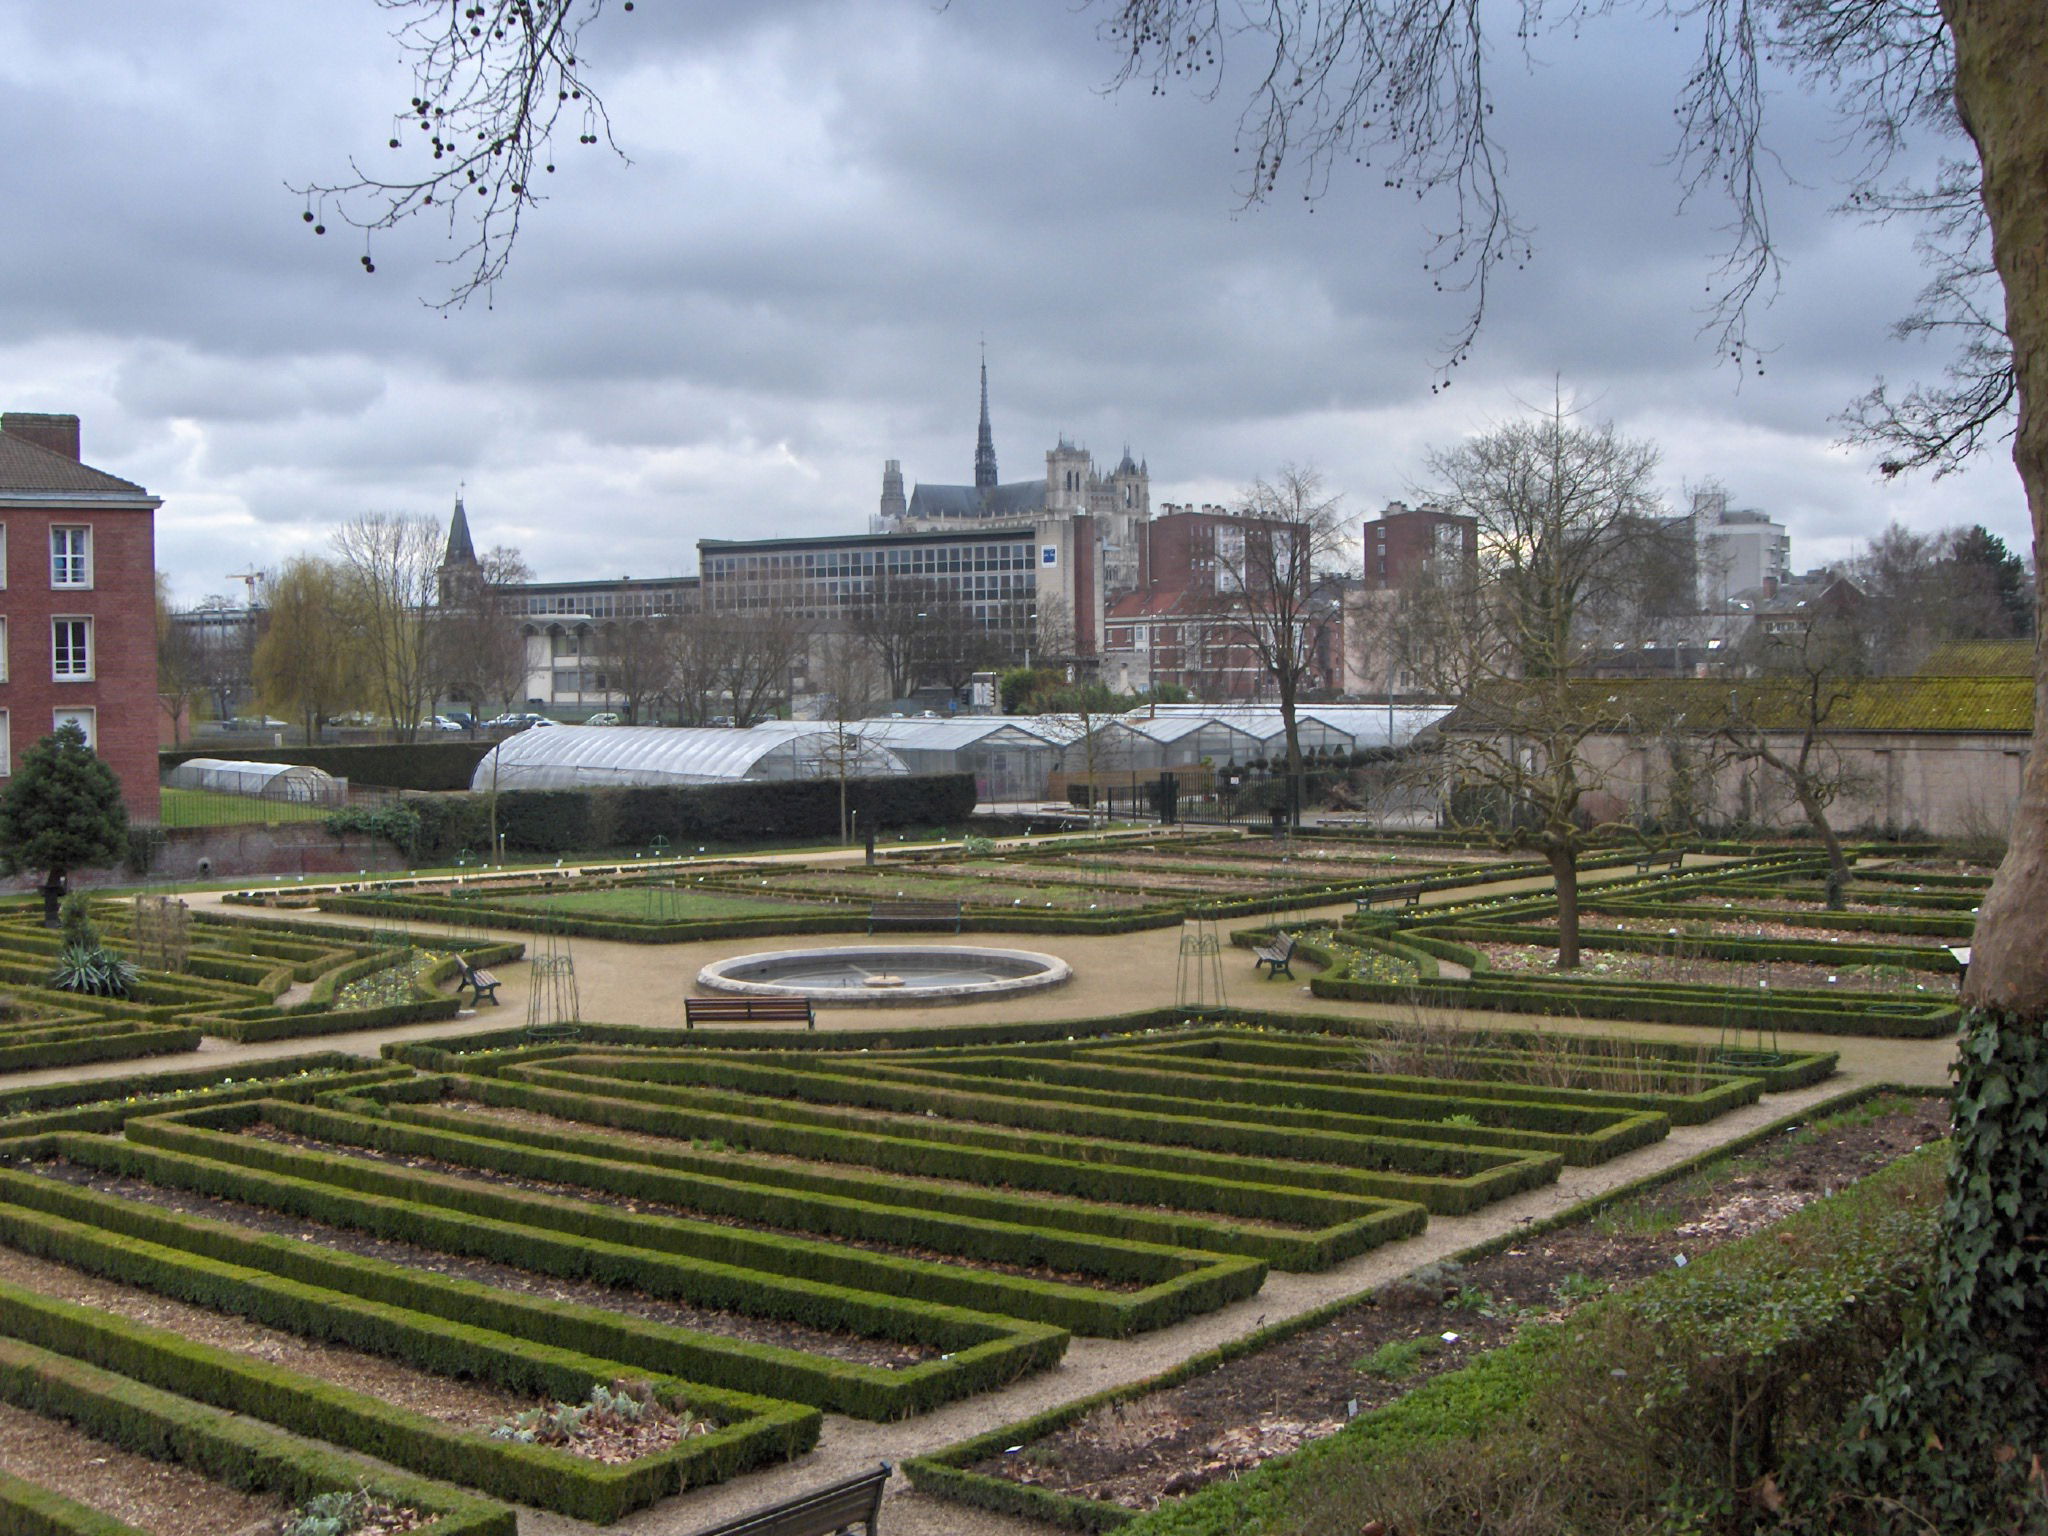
[(3, 556), (3, 649), (6, 745), (87, 715), (82, 558), (57, 673)]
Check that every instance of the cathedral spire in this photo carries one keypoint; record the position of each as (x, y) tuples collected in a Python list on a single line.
[(984, 439)]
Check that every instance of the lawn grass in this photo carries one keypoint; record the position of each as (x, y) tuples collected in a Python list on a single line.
[(209, 808), (639, 901)]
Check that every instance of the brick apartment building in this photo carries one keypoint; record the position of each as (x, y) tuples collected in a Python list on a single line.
[(77, 604), (1185, 624)]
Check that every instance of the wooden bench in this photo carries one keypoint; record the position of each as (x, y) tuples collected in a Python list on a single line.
[(1275, 957), (482, 983), (852, 1504), (1408, 895), (914, 914), (766, 1010), (1671, 860)]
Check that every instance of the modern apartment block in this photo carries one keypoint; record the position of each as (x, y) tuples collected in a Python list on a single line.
[(77, 604)]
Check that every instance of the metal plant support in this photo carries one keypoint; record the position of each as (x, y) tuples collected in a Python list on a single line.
[(1198, 984)]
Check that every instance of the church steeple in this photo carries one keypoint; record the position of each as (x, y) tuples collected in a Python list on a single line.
[(984, 439)]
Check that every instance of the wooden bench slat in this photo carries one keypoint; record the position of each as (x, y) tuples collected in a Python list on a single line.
[(773, 1009), (1279, 955), (840, 1506)]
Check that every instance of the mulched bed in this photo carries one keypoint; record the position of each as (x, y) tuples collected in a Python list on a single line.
[(1227, 1421), (1751, 928), (534, 1121), (638, 1205), (161, 1497), (458, 1404), (1852, 975), (890, 1354)]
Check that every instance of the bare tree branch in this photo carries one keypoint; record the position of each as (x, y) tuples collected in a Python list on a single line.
[(492, 82)]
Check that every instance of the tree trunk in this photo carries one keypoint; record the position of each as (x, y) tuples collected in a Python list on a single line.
[(1961, 1416), (2001, 46), (1564, 874), (1838, 862)]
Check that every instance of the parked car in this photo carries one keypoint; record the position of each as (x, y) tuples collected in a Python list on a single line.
[(518, 722), (606, 717), (446, 723), (260, 723)]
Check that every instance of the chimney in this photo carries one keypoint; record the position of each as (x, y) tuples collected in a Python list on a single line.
[(59, 434), (1770, 586)]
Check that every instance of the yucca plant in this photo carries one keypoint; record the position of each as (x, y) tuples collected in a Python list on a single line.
[(95, 970)]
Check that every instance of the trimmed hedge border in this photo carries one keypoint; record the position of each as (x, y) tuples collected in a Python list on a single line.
[(527, 1474), (1339, 1223), (984, 1351), (795, 1194), (1447, 1180), (223, 1446), (658, 1252)]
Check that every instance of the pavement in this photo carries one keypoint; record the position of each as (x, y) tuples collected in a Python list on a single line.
[(632, 984)]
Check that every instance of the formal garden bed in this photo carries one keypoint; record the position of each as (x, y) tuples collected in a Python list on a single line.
[(1093, 1466), (459, 1260)]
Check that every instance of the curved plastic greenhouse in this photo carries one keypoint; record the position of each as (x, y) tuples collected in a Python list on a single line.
[(291, 782), (587, 757)]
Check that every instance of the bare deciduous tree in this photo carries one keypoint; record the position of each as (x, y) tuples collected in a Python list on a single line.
[(1558, 508), (310, 663), (393, 563), (1266, 575)]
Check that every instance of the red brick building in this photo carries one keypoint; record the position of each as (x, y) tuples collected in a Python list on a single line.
[(77, 604), (1403, 539)]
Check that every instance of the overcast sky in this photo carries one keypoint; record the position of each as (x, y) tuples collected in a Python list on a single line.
[(831, 203)]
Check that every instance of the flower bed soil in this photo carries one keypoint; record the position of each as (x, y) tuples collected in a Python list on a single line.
[(467, 1405), (1749, 928), (639, 1206), (532, 1120), (1630, 965), (889, 1354), (1139, 1451), (160, 1497), (1869, 906)]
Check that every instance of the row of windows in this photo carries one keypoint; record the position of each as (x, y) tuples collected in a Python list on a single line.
[(915, 560), (70, 557), (71, 650), (87, 720)]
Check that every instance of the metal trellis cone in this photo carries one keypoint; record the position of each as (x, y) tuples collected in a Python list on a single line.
[(1198, 984), (551, 992)]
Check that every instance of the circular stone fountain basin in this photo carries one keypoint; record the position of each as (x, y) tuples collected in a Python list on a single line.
[(903, 974)]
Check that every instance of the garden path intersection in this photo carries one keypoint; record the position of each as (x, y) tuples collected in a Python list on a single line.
[(642, 985)]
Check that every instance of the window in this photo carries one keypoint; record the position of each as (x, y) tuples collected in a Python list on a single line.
[(6, 747), (3, 554), (3, 650), (85, 719), (70, 557), (71, 650)]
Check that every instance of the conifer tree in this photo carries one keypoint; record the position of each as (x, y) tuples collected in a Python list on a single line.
[(61, 811)]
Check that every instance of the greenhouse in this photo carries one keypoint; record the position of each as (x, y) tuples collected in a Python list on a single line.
[(290, 783), (590, 757), (1010, 758)]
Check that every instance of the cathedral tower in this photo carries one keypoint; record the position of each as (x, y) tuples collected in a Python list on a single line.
[(984, 441)]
